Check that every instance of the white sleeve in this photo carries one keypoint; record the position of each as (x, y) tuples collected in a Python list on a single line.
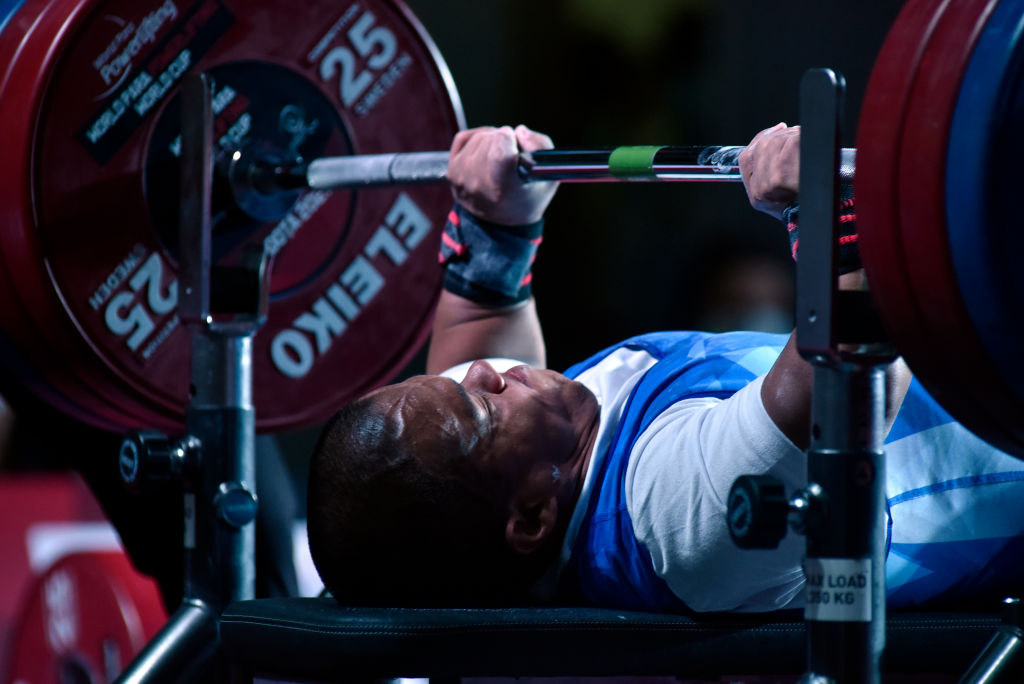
[(677, 485)]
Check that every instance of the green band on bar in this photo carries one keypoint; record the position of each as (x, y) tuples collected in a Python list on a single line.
[(630, 162)]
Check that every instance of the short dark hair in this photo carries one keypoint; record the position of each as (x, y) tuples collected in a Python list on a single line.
[(391, 527)]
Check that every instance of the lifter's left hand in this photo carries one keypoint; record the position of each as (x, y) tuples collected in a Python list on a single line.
[(770, 168), (482, 172)]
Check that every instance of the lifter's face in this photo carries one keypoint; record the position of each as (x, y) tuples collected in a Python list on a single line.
[(508, 421)]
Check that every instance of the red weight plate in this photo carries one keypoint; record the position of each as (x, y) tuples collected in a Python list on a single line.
[(901, 156), (878, 136), (354, 278), (26, 51), (84, 620), (968, 383)]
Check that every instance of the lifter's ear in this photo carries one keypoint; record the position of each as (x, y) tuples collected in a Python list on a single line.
[(530, 523)]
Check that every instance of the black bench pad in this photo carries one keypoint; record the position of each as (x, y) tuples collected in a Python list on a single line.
[(315, 638)]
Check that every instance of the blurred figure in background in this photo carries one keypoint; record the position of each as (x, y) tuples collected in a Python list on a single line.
[(745, 289)]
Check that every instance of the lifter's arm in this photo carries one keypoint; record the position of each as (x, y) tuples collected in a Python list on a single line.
[(786, 391), (482, 173), (770, 168), (466, 331)]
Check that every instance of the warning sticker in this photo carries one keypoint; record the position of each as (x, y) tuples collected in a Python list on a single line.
[(838, 589)]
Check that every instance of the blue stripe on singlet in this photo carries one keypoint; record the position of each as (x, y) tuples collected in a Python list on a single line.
[(957, 483)]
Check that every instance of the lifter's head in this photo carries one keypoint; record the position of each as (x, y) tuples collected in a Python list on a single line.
[(432, 492)]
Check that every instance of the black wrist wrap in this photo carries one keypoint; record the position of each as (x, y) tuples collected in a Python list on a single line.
[(487, 262), (849, 254)]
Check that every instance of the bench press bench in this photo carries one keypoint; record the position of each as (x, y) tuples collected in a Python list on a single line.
[(319, 640)]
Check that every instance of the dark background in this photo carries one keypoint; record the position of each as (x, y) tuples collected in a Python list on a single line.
[(622, 259)]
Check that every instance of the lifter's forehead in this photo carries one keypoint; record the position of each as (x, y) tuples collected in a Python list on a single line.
[(426, 408)]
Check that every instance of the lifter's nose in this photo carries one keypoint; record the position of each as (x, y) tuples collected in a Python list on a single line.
[(482, 376)]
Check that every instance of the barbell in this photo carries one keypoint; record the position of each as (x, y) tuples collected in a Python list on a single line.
[(257, 178), (266, 182), (308, 118)]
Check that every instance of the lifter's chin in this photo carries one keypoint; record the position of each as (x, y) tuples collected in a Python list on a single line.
[(573, 398), (584, 401)]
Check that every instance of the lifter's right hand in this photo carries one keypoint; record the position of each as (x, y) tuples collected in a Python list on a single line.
[(482, 170)]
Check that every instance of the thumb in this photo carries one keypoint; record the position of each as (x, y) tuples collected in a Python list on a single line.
[(530, 140)]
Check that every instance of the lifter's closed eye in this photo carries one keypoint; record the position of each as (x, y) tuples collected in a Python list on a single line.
[(478, 405)]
